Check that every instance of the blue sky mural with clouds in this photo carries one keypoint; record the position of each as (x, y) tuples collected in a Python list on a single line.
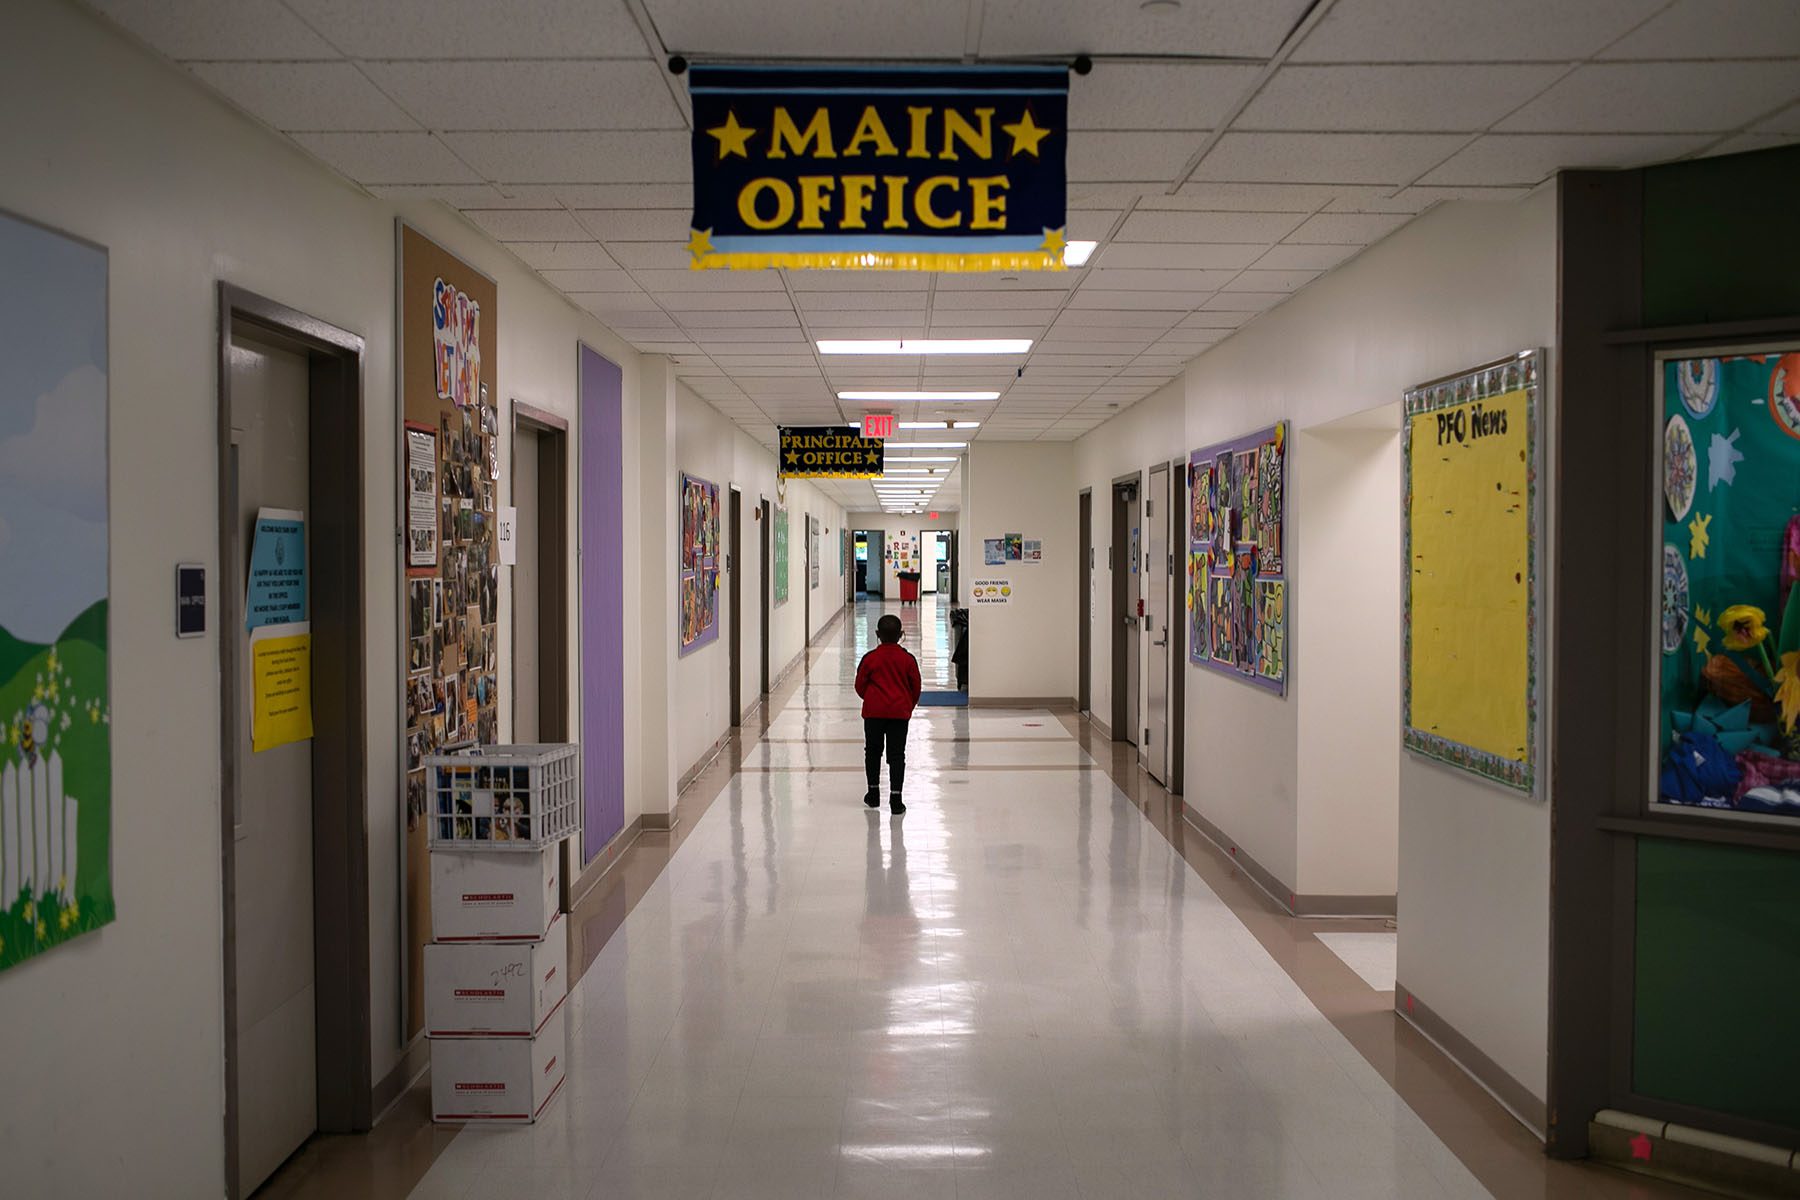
[(53, 377)]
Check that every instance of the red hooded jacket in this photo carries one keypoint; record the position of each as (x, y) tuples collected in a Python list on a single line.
[(888, 681)]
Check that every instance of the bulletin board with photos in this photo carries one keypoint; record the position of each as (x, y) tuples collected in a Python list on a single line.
[(1237, 593), (450, 469), (699, 578)]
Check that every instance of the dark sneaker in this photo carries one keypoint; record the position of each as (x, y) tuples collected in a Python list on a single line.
[(873, 798), (894, 804)]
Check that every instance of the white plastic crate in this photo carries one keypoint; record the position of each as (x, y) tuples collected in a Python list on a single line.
[(503, 797)]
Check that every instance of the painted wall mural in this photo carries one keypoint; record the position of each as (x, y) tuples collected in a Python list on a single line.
[(1237, 590), (699, 562), (55, 695)]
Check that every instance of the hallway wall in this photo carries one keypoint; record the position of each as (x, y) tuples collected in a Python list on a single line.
[(1151, 431), (1025, 648), (710, 446), (1464, 284), (125, 150)]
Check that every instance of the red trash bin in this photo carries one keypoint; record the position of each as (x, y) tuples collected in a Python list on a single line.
[(909, 587)]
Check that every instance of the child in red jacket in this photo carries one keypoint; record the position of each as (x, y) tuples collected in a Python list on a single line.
[(888, 681)]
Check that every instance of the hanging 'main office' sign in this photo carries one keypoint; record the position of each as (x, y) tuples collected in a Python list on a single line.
[(829, 452), (899, 168)]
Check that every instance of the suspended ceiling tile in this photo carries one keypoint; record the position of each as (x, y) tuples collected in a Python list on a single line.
[(919, 29), (1091, 224), (529, 225), (655, 157), (1079, 318), (590, 281), (597, 302), (218, 29), (520, 94), (1389, 158), (1182, 256), (1714, 29), (322, 96), (1093, 351), (1348, 229), (852, 281), (666, 256), (1422, 31), (1271, 281), (1745, 143), (1425, 197), (1139, 95), (1101, 297), (1664, 97), (1221, 28), (636, 224), (860, 301), (1226, 226), (551, 256), (651, 346), (684, 280), (1423, 97), (1527, 159), (475, 29), (372, 158), (681, 303), (742, 320), (1114, 194), (673, 195), (1151, 280), (1304, 258), (1245, 302), (1206, 319), (1118, 155), (456, 195), (788, 343), (1259, 197)]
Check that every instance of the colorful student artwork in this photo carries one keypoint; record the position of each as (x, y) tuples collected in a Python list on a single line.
[(1728, 699), (993, 552), (55, 698), (781, 555), (812, 552), (1236, 539), (699, 562), (450, 459), (1469, 534)]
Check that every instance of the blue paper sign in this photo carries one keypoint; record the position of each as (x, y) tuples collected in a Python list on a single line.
[(277, 593)]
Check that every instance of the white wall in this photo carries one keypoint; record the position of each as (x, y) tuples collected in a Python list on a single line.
[(1027, 648), (893, 523), (116, 1041), (709, 445), (1462, 285), (1151, 431), (1348, 814)]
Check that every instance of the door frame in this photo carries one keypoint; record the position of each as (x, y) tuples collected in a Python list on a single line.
[(336, 513), (766, 520), (805, 580), (1084, 634), (1148, 754), (1122, 641), (734, 592), (1178, 628), (553, 565)]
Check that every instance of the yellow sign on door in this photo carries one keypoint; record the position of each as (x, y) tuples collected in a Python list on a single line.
[(281, 686)]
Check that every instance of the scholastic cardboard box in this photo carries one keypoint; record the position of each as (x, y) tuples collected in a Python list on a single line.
[(496, 989), (497, 1080), (488, 895)]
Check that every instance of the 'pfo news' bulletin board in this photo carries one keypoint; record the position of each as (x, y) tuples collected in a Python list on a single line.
[(1469, 528)]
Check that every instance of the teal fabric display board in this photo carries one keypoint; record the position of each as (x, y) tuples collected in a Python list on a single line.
[(1729, 629)]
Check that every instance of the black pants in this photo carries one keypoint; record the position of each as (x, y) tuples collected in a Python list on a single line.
[(877, 730)]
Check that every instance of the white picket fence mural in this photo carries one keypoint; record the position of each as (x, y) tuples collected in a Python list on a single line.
[(37, 829)]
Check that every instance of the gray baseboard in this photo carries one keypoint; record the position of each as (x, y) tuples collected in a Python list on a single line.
[(1053, 703), (1296, 904), (1102, 726), (1514, 1096), (659, 822), (413, 1063), (604, 861)]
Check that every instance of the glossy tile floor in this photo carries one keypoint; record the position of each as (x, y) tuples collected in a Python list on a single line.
[(1037, 983), (1016, 989)]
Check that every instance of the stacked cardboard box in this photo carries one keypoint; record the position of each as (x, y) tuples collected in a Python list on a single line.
[(496, 976)]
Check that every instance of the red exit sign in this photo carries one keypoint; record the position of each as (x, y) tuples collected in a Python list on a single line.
[(879, 425)]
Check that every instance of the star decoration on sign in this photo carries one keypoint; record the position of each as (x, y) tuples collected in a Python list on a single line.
[(733, 138), (700, 242), (793, 456), (1055, 242), (1699, 538), (1026, 134), (874, 456)]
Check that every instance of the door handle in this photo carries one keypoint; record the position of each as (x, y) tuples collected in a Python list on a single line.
[(1164, 642)]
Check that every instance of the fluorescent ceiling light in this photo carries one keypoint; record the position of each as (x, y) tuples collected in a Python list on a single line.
[(928, 445), (907, 471), (967, 425), (924, 345), (919, 458), (910, 397), (924, 424), (1076, 254)]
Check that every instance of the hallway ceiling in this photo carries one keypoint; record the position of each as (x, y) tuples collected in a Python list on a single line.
[(1224, 153)]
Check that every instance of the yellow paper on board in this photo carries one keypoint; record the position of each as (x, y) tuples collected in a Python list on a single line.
[(281, 690), (1471, 574)]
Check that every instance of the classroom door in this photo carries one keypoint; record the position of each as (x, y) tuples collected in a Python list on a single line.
[(1153, 750), (271, 900), (1125, 563), (734, 592), (1085, 601)]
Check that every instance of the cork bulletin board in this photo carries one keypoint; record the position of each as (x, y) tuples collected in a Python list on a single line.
[(450, 471)]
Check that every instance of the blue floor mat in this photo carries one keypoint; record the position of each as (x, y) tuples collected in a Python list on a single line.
[(943, 699)]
